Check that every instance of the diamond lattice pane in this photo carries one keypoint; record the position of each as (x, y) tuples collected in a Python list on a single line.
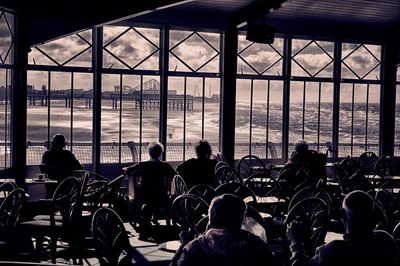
[(132, 48), (361, 62), (64, 49), (194, 51), (6, 39), (312, 59), (260, 56)]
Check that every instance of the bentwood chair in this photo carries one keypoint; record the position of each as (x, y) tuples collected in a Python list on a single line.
[(250, 165), (110, 238)]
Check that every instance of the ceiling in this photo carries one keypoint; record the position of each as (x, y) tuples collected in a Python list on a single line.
[(367, 20)]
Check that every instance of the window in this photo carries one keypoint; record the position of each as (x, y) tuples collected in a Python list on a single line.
[(193, 92), (359, 99), (6, 72), (259, 99)]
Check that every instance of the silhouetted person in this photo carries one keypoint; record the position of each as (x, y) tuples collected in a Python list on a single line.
[(311, 160), (361, 245), (59, 163), (200, 170), (149, 183), (225, 243)]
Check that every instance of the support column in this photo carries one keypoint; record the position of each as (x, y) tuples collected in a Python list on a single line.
[(164, 63), (287, 52), (228, 66), (18, 99), (97, 62), (388, 99), (337, 70)]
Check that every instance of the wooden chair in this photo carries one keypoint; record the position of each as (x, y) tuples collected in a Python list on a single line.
[(110, 239), (239, 190), (226, 174), (206, 192), (250, 165), (178, 186)]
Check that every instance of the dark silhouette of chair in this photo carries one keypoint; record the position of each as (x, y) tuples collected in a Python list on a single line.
[(239, 190), (188, 212), (110, 239), (359, 181), (393, 186), (390, 207), (6, 188), (10, 210), (349, 165), (63, 224), (260, 184), (226, 174), (250, 165), (384, 166), (367, 160), (310, 192), (178, 186), (396, 233), (292, 177), (115, 196), (219, 164), (206, 192), (313, 215)]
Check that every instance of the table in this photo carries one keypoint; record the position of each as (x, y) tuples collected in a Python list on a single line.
[(39, 189)]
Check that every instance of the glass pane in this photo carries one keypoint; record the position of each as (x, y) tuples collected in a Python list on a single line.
[(60, 105), (175, 120), (5, 117), (6, 37), (242, 121), (211, 112), (82, 117), (37, 116), (110, 122)]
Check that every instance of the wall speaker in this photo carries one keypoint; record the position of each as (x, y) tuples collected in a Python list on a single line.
[(261, 33)]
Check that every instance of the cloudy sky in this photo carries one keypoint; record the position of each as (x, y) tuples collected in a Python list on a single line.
[(131, 46)]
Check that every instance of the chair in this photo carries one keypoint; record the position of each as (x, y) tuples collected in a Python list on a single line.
[(396, 233), (110, 238), (188, 212), (115, 197), (389, 205), (219, 164), (178, 186), (313, 215), (64, 222), (291, 178), (384, 165), (310, 192), (260, 184), (10, 210), (393, 186), (206, 192), (226, 174), (6, 188), (239, 190), (249, 165), (350, 165), (367, 160)]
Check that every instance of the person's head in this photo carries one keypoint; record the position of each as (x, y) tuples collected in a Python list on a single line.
[(301, 146), (58, 142), (358, 211), (203, 149), (155, 150), (227, 211)]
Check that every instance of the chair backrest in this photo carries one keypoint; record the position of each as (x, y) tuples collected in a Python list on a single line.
[(367, 160), (309, 192), (389, 205), (313, 214), (10, 210), (384, 165), (178, 186), (249, 165), (349, 165), (226, 174), (291, 177), (110, 238), (206, 192), (187, 212), (6, 188), (260, 184)]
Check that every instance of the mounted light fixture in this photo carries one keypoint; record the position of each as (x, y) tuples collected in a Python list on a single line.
[(260, 32)]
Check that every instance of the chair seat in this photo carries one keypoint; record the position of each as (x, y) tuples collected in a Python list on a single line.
[(39, 227)]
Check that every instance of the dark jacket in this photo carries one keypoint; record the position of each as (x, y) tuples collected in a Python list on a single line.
[(198, 171), (376, 249), (226, 247), (59, 163)]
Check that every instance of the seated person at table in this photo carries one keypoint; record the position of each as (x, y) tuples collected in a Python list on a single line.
[(200, 170), (225, 243), (149, 184), (313, 161), (361, 245), (59, 163)]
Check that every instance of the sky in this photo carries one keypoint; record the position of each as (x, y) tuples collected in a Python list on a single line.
[(134, 45)]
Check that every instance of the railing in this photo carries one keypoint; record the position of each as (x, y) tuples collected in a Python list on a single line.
[(131, 151)]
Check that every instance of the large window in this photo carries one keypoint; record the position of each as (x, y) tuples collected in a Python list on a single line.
[(59, 100), (193, 92), (359, 99), (259, 99), (6, 71), (311, 93)]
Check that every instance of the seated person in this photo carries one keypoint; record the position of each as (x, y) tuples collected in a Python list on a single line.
[(361, 245), (200, 170), (313, 161), (59, 163), (149, 184), (225, 243)]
